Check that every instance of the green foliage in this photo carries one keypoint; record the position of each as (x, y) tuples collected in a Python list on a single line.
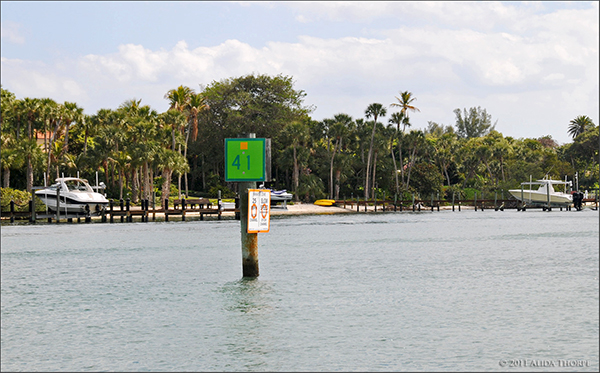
[(137, 151), (427, 179), (225, 192), (580, 125), (469, 193), (21, 199), (473, 123), (455, 190), (311, 188)]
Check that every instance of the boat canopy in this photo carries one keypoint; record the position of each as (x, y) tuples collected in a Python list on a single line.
[(546, 184)]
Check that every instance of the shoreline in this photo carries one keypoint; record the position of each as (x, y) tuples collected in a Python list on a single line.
[(295, 209)]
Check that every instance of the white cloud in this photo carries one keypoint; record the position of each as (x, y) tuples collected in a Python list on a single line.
[(10, 32), (524, 67), (35, 79)]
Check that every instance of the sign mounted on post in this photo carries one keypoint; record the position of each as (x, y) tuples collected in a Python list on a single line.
[(259, 210), (248, 159)]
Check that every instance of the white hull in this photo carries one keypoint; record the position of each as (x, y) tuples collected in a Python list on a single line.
[(76, 196), (542, 198), (70, 206), (544, 194), (280, 196)]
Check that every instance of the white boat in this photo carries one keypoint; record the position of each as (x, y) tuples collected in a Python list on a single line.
[(545, 194), (280, 196), (76, 196), (227, 205)]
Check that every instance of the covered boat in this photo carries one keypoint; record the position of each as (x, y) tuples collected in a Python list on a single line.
[(545, 194)]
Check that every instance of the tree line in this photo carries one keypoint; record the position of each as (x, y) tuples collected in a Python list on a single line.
[(180, 152)]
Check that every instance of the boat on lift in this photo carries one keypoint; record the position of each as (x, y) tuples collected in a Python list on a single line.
[(76, 196), (280, 196), (545, 194)]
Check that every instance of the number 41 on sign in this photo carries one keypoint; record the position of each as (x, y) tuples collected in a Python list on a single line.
[(259, 210)]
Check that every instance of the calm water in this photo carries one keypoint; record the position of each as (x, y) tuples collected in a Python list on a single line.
[(426, 291)]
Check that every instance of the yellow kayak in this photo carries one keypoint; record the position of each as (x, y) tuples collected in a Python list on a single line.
[(325, 202)]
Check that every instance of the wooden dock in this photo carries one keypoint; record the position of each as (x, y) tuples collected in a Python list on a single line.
[(457, 205), (182, 209), (122, 211)]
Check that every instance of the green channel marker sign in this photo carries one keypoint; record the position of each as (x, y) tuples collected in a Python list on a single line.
[(247, 159)]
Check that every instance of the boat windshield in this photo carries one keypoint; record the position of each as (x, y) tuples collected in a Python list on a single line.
[(546, 186), (78, 185)]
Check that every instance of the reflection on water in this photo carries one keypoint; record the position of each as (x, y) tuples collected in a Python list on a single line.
[(392, 292), (248, 304), (247, 295)]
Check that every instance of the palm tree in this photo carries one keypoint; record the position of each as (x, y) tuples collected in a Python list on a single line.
[(178, 101), (123, 160), (168, 160), (72, 114), (7, 102), (53, 119), (338, 131), (445, 147), (579, 125), (179, 98), (29, 109), (379, 143), (415, 140), (131, 105), (404, 103), (11, 157), (88, 129), (143, 146), (195, 105), (46, 104), (374, 110), (108, 135), (297, 133), (397, 119)]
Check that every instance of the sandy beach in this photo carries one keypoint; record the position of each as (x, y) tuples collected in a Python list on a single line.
[(309, 208)]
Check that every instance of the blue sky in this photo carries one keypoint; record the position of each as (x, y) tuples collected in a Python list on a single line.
[(533, 65)]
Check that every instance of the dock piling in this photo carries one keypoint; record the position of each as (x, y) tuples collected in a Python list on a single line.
[(166, 209), (219, 207), (249, 240), (32, 206), (183, 205), (121, 209), (127, 206), (57, 203)]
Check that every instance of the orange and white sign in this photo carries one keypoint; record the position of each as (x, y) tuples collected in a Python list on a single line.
[(259, 210)]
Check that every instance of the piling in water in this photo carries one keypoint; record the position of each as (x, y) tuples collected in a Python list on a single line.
[(249, 240)]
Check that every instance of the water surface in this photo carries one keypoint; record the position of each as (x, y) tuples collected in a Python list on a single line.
[(440, 291)]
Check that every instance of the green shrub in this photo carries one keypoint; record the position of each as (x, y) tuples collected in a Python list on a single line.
[(469, 193), (21, 199)]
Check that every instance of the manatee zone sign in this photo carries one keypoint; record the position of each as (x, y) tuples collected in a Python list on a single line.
[(248, 159), (259, 210)]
